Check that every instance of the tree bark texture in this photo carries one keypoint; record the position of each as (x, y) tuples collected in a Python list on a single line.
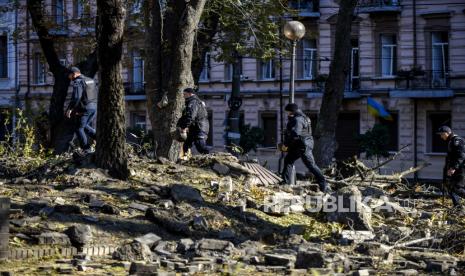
[(61, 129), (169, 47), (111, 152), (325, 134)]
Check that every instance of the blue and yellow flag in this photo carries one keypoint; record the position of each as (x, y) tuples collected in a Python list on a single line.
[(377, 110)]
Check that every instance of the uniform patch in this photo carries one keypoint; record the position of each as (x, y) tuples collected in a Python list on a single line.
[(457, 142)]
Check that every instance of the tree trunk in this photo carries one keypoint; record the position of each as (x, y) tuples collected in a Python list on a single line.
[(325, 134), (61, 129), (169, 44), (111, 150)]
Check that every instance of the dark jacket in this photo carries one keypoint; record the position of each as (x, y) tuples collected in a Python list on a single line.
[(84, 94), (455, 152), (194, 116), (298, 130)]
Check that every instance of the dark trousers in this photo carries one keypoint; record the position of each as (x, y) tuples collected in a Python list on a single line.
[(304, 152), (199, 140), (85, 129), (456, 189)]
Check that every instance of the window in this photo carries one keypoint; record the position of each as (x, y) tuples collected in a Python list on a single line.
[(64, 62), (440, 58), (59, 12), (304, 5), (388, 55), (309, 59), (435, 121), (353, 81), (348, 129), (39, 69), (3, 56), (78, 8), (137, 7), (137, 72), (138, 120), (205, 74), (270, 127), (393, 131), (267, 70)]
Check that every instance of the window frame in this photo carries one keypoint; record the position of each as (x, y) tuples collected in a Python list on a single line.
[(262, 116), (205, 74), (4, 52), (134, 120), (386, 123), (138, 85), (393, 55), (441, 74), (431, 130), (264, 66), (39, 69), (59, 13)]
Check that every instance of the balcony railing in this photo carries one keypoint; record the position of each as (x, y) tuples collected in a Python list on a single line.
[(134, 88), (379, 6), (306, 8), (424, 80)]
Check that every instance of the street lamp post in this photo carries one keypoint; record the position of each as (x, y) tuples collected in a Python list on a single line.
[(294, 31)]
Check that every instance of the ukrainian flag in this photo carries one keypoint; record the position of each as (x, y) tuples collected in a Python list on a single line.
[(377, 110)]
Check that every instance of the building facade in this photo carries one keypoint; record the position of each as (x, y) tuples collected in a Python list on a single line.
[(8, 63), (408, 55)]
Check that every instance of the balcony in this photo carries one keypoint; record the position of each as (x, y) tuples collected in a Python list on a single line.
[(379, 6), (306, 8), (134, 88), (408, 80)]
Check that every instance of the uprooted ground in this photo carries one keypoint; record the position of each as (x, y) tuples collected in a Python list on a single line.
[(217, 221)]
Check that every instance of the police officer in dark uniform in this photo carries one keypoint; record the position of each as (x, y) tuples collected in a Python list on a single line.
[(454, 163), (83, 105), (194, 121), (299, 144)]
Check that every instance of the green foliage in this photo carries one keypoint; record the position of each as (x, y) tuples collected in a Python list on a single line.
[(251, 137), (375, 141), (249, 27), (20, 150)]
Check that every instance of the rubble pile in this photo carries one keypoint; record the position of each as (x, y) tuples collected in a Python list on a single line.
[(210, 215)]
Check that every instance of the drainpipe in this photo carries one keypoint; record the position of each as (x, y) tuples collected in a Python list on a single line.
[(415, 101)]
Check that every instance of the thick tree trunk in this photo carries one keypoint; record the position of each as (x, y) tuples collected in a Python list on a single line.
[(111, 151), (170, 42), (325, 134), (61, 129)]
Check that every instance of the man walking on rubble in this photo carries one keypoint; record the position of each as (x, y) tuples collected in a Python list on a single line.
[(83, 105), (454, 164), (298, 143), (193, 124)]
